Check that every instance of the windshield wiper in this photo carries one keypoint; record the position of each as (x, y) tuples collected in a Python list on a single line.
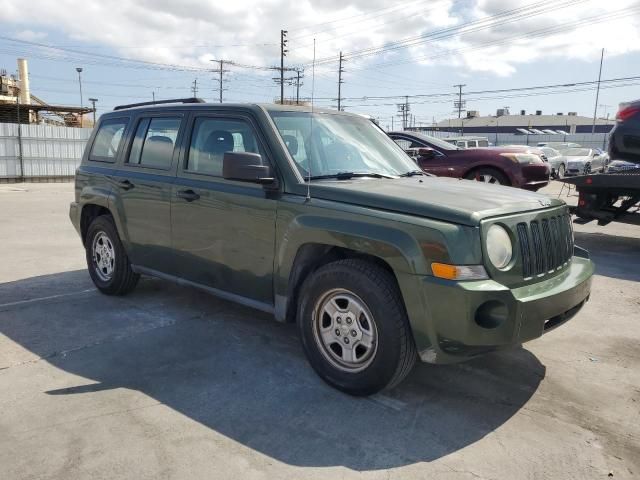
[(412, 173), (348, 175)]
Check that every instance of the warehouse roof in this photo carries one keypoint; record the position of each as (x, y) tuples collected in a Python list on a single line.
[(523, 121)]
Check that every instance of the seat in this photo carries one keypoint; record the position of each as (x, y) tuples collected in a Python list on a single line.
[(157, 152), (212, 152), (292, 144)]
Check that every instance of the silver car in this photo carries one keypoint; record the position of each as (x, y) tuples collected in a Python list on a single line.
[(582, 161), (557, 161)]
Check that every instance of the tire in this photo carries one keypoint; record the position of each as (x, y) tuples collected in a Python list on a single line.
[(369, 312), (107, 261), (561, 171), (488, 175)]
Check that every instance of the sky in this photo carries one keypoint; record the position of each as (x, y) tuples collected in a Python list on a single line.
[(133, 50)]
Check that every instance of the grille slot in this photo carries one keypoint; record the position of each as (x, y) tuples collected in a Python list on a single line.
[(545, 245)]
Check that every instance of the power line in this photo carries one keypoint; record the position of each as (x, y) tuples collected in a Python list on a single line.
[(506, 16)]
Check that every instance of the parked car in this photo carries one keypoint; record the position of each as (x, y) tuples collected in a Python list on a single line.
[(559, 145), (582, 161), (497, 165), (618, 166), (557, 161), (468, 142), (624, 140), (319, 218)]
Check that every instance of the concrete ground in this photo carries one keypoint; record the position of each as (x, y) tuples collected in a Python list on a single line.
[(171, 383)]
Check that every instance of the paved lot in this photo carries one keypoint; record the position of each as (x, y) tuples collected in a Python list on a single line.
[(171, 383)]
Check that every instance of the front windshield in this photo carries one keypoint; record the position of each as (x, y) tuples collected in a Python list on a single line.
[(577, 152), (324, 144)]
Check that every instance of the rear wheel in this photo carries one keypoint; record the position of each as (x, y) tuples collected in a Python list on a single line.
[(488, 175), (354, 328), (107, 261)]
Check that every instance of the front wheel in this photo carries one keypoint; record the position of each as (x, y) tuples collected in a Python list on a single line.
[(488, 175), (354, 328), (107, 260)]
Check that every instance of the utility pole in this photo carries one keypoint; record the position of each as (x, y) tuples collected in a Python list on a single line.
[(194, 88), (79, 70), (340, 72), (283, 53), (403, 112), (221, 70), (153, 95), (459, 104), (595, 110), (93, 102), (299, 75)]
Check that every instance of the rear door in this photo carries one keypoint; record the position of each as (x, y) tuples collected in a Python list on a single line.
[(143, 189), (223, 230)]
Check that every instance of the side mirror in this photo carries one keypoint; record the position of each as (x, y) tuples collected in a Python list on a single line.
[(246, 167), (426, 153)]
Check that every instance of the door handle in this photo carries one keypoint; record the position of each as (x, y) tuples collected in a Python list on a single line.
[(188, 195), (125, 184)]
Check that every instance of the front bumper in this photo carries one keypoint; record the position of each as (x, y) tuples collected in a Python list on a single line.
[(471, 318), (535, 176)]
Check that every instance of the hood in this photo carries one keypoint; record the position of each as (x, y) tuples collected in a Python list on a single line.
[(459, 201)]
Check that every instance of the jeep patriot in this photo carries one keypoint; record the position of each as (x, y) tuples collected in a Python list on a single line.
[(319, 218)]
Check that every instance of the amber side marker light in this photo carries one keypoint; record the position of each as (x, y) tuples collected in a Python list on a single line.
[(459, 272)]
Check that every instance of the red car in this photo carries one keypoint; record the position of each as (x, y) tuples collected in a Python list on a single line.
[(514, 166)]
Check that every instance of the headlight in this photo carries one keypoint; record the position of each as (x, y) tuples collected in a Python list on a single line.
[(525, 158), (499, 246)]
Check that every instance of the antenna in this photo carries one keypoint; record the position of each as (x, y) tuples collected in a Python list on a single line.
[(313, 86)]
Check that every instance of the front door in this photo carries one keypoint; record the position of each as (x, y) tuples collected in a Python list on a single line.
[(143, 191), (223, 231)]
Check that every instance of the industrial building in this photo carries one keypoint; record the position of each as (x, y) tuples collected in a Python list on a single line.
[(504, 122), (19, 105)]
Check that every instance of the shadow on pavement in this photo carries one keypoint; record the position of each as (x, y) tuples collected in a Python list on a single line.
[(243, 375), (615, 256)]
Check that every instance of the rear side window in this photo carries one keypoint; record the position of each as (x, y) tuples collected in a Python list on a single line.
[(108, 140), (154, 142)]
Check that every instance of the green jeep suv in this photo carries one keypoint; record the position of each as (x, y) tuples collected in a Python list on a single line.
[(319, 218)]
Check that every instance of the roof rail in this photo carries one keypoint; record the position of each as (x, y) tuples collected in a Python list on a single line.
[(160, 102)]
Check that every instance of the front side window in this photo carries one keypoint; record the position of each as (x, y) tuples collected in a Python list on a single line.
[(108, 140), (154, 142), (212, 138), (326, 144)]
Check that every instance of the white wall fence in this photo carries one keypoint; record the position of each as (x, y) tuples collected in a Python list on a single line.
[(597, 140), (48, 152)]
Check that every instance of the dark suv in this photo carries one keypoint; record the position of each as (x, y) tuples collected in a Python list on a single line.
[(319, 218), (624, 140), (516, 166)]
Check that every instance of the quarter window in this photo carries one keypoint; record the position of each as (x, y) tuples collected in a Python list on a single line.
[(154, 142), (212, 138), (108, 140)]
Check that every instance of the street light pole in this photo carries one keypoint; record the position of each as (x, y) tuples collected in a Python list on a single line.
[(79, 70), (93, 102)]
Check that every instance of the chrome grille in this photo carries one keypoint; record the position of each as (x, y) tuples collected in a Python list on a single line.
[(545, 245)]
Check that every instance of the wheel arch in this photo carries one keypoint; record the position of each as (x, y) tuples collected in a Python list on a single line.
[(88, 214), (474, 168), (310, 257)]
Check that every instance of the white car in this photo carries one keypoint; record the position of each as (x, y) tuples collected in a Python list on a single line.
[(582, 161)]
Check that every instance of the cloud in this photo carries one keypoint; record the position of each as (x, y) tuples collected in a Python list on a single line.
[(30, 35), (191, 32)]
